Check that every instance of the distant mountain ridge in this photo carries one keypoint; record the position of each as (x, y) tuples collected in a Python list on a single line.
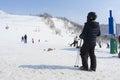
[(55, 24), (69, 25)]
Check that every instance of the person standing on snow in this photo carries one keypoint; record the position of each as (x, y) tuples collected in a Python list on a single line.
[(119, 40), (89, 34), (22, 39), (25, 38), (119, 46), (33, 40)]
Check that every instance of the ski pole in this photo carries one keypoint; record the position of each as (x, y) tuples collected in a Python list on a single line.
[(78, 56), (77, 60)]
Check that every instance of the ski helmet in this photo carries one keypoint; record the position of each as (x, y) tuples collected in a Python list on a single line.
[(92, 16)]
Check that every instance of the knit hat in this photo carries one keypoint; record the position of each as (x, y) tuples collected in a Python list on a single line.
[(91, 16)]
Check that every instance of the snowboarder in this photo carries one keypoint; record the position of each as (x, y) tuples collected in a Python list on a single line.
[(89, 34)]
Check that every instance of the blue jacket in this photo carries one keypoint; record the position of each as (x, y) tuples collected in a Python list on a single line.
[(90, 32)]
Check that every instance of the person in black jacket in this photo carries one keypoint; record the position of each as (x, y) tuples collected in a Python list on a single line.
[(119, 46), (25, 38), (89, 34)]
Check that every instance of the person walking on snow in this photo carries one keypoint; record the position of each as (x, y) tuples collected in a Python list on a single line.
[(89, 34)]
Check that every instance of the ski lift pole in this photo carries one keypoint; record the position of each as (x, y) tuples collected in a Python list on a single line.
[(113, 42)]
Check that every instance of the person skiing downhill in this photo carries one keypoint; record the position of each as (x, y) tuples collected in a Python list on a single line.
[(75, 43), (89, 34)]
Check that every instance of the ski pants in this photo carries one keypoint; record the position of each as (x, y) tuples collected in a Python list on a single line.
[(87, 50)]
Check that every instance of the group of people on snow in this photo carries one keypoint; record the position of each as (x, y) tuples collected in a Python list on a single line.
[(89, 35), (24, 38)]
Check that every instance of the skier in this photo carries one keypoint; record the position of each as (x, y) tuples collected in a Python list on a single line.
[(99, 43), (75, 42), (25, 38), (89, 34), (38, 40), (107, 45), (22, 39), (98, 40)]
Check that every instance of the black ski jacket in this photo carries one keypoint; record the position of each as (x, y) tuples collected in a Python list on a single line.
[(90, 32)]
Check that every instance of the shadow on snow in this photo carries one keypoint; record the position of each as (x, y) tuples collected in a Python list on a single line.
[(108, 57), (53, 67), (71, 49)]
